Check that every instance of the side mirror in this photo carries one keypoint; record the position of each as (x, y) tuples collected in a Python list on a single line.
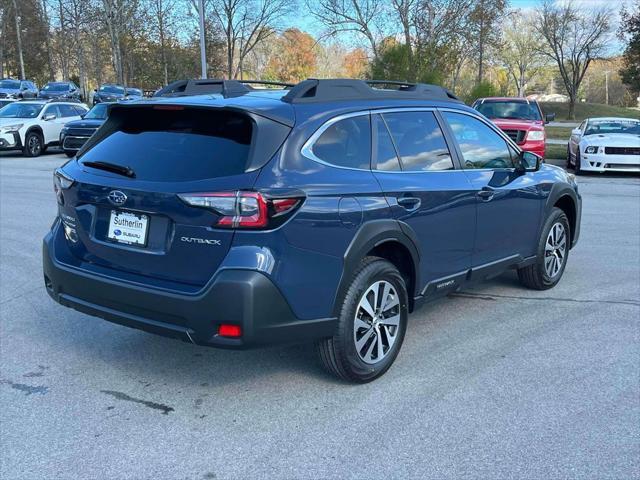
[(49, 116), (549, 117), (577, 132), (83, 115), (529, 162)]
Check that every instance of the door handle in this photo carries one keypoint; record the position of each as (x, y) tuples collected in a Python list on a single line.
[(409, 203), (486, 193)]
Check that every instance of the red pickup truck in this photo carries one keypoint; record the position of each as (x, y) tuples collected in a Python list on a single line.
[(521, 119)]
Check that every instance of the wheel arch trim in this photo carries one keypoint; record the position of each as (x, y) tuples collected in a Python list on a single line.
[(370, 235)]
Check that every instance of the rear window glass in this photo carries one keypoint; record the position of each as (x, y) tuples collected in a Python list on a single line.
[(346, 143), (175, 145)]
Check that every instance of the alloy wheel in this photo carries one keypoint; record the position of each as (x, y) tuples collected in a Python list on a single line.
[(377, 322), (555, 250), (34, 145)]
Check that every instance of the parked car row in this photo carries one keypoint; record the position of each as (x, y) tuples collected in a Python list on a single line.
[(13, 89), (36, 124), (598, 144)]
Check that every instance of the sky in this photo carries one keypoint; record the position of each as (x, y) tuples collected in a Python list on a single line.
[(308, 24)]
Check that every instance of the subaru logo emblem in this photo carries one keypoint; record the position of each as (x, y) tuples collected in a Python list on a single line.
[(117, 197)]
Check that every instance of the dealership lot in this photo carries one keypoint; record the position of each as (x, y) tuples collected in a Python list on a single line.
[(496, 381)]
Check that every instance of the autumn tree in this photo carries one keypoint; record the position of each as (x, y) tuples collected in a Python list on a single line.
[(245, 24), (572, 37), (362, 17), (485, 20), (294, 58), (355, 63), (520, 52), (629, 31)]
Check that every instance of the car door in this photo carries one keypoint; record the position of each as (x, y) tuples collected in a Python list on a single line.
[(51, 128), (415, 167), (509, 202)]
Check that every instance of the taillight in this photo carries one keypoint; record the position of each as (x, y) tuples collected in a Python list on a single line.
[(61, 181), (243, 209)]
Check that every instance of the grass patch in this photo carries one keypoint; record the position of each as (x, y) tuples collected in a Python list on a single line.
[(555, 152), (588, 110), (561, 133)]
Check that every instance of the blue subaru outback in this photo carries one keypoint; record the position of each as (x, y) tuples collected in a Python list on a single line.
[(232, 216)]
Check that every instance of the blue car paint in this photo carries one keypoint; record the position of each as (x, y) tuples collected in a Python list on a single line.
[(453, 230)]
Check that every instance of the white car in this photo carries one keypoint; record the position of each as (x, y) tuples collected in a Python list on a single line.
[(606, 144), (34, 125)]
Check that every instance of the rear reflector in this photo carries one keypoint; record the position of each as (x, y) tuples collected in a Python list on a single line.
[(232, 331)]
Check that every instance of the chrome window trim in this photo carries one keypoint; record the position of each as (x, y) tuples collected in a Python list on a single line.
[(493, 127), (307, 148)]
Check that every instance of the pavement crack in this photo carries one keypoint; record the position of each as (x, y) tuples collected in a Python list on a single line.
[(27, 389), (495, 296), (123, 396)]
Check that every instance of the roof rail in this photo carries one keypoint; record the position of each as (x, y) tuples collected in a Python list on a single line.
[(314, 90), (227, 88)]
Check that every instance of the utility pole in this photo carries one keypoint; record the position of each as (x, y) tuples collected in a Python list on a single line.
[(606, 87), (203, 54), (19, 40)]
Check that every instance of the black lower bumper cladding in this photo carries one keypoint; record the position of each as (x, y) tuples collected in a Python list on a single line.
[(234, 297)]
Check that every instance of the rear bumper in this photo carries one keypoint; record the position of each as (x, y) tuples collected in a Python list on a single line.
[(238, 297)]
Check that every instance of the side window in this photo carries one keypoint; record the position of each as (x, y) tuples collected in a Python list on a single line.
[(52, 109), (582, 125), (67, 111), (419, 140), (346, 143), (386, 156), (481, 147), (79, 110)]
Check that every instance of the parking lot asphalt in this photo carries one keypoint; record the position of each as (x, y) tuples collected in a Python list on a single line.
[(493, 382)]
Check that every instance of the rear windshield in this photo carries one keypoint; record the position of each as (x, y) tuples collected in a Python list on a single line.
[(56, 87), (10, 84), (175, 145), (112, 89)]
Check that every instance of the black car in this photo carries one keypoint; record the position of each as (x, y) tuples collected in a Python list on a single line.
[(74, 134), (6, 101), (109, 92), (60, 90), (134, 93), (10, 88)]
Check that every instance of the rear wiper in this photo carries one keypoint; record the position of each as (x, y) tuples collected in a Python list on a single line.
[(112, 167)]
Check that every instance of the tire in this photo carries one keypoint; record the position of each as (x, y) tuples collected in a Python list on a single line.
[(33, 145), (577, 168), (569, 157), (551, 255), (379, 336), (69, 153)]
